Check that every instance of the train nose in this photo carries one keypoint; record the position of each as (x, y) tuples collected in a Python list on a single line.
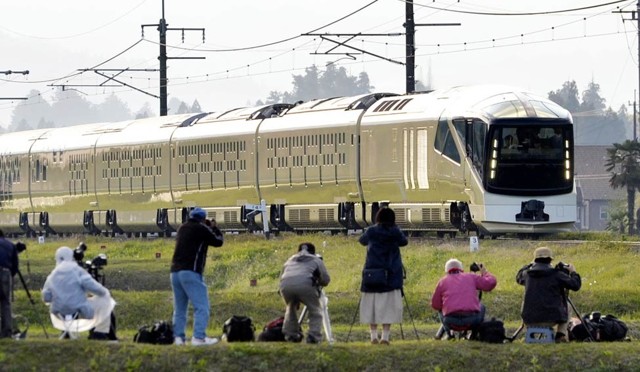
[(532, 210)]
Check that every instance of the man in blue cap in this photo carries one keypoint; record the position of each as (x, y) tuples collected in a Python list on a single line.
[(187, 266)]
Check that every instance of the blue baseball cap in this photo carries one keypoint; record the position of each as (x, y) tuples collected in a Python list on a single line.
[(198, 214)]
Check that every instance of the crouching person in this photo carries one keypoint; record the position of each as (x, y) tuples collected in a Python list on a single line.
[(456, 297), (66, 290), (303, 276), (545, 292)]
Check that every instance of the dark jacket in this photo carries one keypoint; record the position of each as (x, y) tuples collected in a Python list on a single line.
[(545, 297), (8, 256), (192, 242), (383, 252)]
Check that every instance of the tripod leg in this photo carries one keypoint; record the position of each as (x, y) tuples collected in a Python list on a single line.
[(415, 330), (353, 320), (326, 321), (32, 303), (516, 333), (587, 324)]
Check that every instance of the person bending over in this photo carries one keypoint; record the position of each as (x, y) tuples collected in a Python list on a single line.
[(303, 276), (8, 270), (66, 290), (456, 296), (545, 292)]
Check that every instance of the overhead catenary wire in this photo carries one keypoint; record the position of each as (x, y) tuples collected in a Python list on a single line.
[(546, 12)]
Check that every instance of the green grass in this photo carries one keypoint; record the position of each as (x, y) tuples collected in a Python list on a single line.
[(140, 284)]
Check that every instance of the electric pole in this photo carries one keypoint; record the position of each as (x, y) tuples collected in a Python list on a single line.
[(410, 47), (10, 72), (635, 16), (162, 27)]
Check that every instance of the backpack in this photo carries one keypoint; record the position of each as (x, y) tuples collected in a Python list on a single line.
[(603, 328), (491, 331), (272, 331), (160, 333), (239, 328)]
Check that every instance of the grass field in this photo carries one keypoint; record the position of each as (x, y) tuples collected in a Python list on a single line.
[(138, 276)]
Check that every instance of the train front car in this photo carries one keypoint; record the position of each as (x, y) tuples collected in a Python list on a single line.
[(522, 165), (484, 158)]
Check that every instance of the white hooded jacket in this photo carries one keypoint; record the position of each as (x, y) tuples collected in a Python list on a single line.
[(67, 286)]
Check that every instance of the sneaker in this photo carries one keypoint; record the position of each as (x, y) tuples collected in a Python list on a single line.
[(204, 341), (312, 340), (296, 337), (178, 341), (384, 342), (375, 341)]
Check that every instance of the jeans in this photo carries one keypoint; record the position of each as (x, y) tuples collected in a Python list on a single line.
[(471, 320), (5, 302), (189, 286)]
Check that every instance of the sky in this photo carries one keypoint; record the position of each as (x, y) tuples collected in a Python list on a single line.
[(252, 47)]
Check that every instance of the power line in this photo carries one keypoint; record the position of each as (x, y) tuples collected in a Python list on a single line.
[(548, 12)]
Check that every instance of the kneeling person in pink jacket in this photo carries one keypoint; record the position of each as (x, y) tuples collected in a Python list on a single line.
[(456, 298)]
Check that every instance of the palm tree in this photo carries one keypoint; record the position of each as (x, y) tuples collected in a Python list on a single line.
[(624, 165)]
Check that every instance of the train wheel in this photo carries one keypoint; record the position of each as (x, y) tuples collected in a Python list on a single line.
[(440, 234), (452, 234)]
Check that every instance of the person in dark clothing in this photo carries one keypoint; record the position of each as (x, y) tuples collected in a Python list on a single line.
[(8, 270), (303, 276), (187, 267), (545, 293), (382, 304)]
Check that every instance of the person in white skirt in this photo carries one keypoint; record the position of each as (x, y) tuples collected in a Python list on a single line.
[(382, 278)]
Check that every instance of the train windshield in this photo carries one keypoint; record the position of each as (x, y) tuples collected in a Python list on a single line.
[(530, 158)]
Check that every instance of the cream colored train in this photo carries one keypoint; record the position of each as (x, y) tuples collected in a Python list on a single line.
[(488, 159)]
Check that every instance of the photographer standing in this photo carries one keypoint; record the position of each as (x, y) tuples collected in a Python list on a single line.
[(545, 293), (66, 289), (8, 269), (456, 297), (302, 279), (187, 266), (381, 301)]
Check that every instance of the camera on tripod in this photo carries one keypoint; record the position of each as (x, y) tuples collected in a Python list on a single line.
[(475, 267), (562, 266), (93, 266)]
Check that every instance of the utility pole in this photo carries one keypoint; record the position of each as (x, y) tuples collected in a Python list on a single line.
[(162, 27), (410, 47), (635, 16), (10, 72)]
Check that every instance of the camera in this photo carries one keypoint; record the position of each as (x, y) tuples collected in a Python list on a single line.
[(475, 267), (562, 266), (21, 247), (93, 266), (595, 316)]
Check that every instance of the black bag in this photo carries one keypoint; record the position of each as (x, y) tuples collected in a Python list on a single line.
[(160, 333), (374, 277), (603, 328), (239, 328), (272, 331), (492, 331)]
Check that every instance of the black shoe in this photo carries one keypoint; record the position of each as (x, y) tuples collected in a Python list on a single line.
[(293, 338), (312, 340), (98, 336)]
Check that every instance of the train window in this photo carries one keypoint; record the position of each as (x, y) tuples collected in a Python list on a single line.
[(450, 150), (441, 135)]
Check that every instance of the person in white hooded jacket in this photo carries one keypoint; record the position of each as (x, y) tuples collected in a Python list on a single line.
[(66, 290)]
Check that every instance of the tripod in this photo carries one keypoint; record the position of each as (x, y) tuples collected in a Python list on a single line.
[(415, 330), (24, 285), (326, 321)]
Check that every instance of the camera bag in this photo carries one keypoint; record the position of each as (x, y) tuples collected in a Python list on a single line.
[(272, 331), (603, 328), (374, 277), (239, 328), (492, 331), (160, 333)]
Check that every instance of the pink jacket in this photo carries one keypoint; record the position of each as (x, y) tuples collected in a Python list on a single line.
[(457, 292)]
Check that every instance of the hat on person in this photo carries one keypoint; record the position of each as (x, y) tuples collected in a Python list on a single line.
[(542, 252), (452, 264), (198, 214), (64, 254), (307, 247)]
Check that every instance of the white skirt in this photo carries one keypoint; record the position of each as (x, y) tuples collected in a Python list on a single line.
[(381, 308)]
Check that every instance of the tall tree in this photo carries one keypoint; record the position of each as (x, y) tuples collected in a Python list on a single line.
[(196, 107), (624, 164), (31, 111), (591, 100), (70, 108), (567, 96), (112, 109)]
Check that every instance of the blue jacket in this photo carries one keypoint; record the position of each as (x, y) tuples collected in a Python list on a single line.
[(383, 252)]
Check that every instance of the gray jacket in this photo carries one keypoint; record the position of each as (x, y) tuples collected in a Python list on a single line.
[(302, 269), (67, 286)]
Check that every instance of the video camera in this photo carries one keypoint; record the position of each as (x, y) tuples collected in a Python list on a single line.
[(93, 266)]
